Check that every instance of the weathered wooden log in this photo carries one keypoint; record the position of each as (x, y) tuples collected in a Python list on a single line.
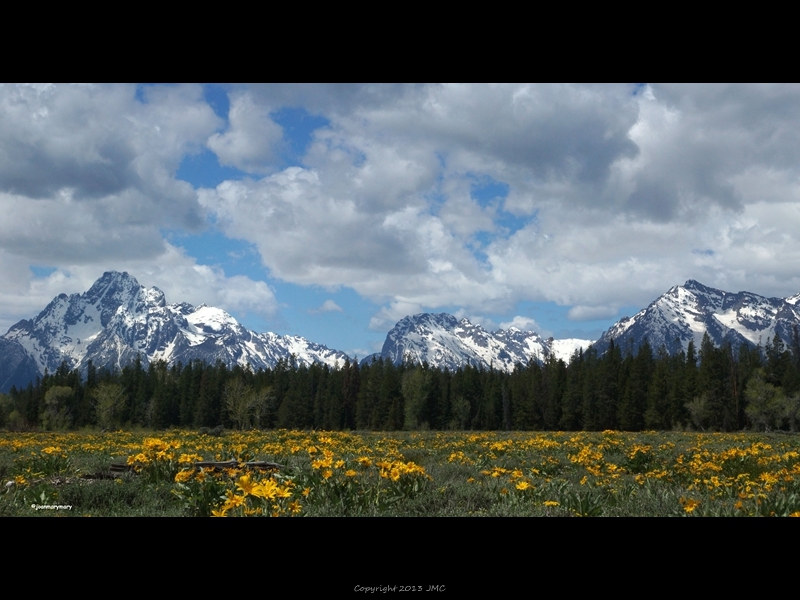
[(228, 464), (120, 467), (233, 464), (101, 475)]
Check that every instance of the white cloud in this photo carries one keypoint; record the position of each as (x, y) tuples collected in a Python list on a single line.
[(625, 189), (622, 195), (327, 306), (330, 305), (251, 139), (590, 313), (307, 236), (88, 172), (87, 182), (522, 323)]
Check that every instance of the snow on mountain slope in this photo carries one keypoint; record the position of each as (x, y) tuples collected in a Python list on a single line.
[(564, 349), (443, 341), (685, 313), (117, 320)]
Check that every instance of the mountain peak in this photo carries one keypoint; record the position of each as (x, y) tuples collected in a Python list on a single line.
[(112, 282), (685, 313), (429, 319), (444, 341), (110, 277), (693, 284), (118, 319), (696, 286)]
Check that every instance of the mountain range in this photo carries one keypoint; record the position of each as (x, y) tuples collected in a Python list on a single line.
[(686, 312), (443, 341), (118, 319)]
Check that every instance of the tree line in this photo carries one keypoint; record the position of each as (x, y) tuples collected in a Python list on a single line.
[(710, 389)]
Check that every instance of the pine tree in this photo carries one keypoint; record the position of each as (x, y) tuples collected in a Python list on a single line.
[(609, 373), (657, 414), (350, 385), (571, 416), (634, 399), (590, 420)]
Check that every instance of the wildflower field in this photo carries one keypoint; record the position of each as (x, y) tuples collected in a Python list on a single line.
[(296, 473)]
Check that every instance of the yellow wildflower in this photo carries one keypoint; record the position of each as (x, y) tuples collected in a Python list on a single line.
[(189, 458), (246, 485), (689, 504), (266, 489), (183, 476), (233, 501)]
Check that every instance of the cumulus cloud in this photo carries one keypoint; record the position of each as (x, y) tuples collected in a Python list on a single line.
[(327, 306), (522, 323), (251, 140), (306, 235), (94, 142), (89, 171), (87, 183), (619, 192), (182, 280)]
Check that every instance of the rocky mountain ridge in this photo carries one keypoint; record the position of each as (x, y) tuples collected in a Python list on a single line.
[(686, 312), (443, 341), (118, 319)]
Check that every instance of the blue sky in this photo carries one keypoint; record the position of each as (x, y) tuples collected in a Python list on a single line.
[(332, 211), (344, 321)]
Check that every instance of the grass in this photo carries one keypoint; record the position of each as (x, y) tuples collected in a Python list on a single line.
[(411, 474)]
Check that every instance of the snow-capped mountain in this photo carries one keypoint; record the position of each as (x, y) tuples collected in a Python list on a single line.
[(118, 319), (443, 341), (688, 311)]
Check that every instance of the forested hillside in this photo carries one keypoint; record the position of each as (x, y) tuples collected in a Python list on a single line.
[(708, 388)]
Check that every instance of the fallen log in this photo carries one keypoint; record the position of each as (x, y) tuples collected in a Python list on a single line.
[(234, 464), (101, 475), (228, 464), (120, 467)]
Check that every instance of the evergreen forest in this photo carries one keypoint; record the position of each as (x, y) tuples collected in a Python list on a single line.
[(704, 389)]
